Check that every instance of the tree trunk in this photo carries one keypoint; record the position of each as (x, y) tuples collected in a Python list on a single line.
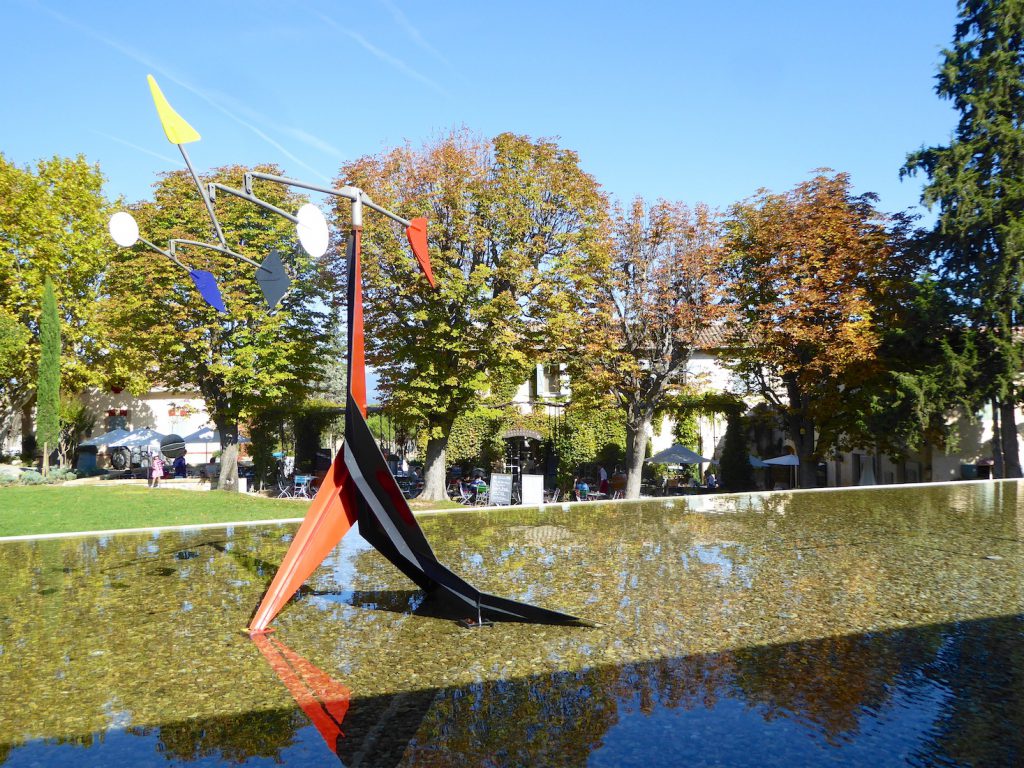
[(801, 432), (435, 486), (46, 459), (28, 445), (638, 427), (1008, 428), (228, 480), (998, 469)]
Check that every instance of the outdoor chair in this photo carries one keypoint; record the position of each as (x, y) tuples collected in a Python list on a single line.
[(303, 488), (460, 493), (284, 488), (483, 493)]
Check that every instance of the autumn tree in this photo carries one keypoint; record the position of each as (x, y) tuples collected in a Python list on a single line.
[(162, 332), (510, 220), (48, 388), (975, 182), (808, 271), (53, 219), (646, 312)]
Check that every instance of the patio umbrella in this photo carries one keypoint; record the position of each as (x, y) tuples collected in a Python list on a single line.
[(787, 460), (677, 454), (757, 463)]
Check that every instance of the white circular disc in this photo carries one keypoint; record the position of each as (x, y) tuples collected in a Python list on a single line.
[(123, 229), (312, 230)]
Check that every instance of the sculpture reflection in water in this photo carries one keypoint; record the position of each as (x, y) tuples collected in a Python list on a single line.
[(359, 488), (379, 728), (325, 701)]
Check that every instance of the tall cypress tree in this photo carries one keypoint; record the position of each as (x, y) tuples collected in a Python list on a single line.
[(48, 387), (736, 472), (976, 182)]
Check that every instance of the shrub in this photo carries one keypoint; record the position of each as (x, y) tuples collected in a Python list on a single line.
[(31, 477)]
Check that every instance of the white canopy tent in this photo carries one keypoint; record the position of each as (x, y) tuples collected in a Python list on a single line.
[(140, 438), (203, 443), (107, 438)]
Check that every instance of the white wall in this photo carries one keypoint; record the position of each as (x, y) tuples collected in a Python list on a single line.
[(167, 411)]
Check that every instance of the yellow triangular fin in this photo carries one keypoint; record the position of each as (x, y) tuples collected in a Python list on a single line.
[(177, 129)]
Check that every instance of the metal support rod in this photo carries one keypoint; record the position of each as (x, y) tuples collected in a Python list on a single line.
[(349, 193), (225, 251), (214, 186), (206, 199), (162, 252)]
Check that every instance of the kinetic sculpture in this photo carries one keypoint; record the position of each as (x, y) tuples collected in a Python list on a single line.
[(359, 489)]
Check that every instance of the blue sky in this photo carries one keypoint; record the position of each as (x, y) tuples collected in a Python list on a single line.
[(683, 100)]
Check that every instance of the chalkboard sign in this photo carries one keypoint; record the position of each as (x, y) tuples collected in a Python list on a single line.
[(501, 490), (533, 490)]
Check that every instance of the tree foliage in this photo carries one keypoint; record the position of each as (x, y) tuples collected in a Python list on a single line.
[(660, 291), (510, 219), (810, 272), (53, 219), (976, 183), (162, 332)]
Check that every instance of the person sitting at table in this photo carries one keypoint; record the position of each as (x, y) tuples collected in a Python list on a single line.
[(580, 489), (709, 479)]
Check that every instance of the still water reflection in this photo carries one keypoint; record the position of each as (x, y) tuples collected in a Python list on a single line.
[(872, 626)]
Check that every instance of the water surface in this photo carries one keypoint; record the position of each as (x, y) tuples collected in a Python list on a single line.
[(879, 627)]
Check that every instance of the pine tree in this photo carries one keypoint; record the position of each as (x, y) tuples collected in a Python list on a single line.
[(976, 183), (48, 387)]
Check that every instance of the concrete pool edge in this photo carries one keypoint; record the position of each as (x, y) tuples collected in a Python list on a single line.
[(465, 510)]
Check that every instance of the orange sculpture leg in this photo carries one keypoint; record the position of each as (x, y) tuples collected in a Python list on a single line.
[(325, 701), (331, 515)]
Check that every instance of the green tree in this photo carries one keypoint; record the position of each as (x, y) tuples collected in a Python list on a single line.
[(15, 341), (53, 221), (809, 271), (510, 220), (48, 388), (659, 293), (975, 181), (241, 362), (736, 472)]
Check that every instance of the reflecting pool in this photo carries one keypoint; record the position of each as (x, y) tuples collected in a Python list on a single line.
[(879, 626)]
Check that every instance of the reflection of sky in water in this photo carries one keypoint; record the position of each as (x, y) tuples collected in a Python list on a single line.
[(720, 559)]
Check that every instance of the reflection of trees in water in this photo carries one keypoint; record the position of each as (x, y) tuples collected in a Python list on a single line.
[(555, 719), (829, 683), (231, 738), (981, 666)]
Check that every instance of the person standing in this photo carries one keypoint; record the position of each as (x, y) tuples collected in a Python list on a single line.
[(156, 469), (602, 477)]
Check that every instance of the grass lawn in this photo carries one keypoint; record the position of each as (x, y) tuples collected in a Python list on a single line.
[(62, 508)]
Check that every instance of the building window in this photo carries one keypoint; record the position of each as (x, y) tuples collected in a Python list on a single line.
[(116, 419), (552, 377)]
